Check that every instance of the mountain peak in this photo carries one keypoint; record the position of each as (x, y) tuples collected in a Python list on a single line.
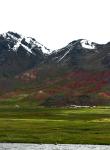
[(28, 43), (87, 44)]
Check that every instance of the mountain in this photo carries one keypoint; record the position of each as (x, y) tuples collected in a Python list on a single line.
[(18, 53), (77, 74), (83, 54)]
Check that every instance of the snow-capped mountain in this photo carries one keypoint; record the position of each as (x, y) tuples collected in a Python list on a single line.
[(81, 46), (27, 43), (18, 53), (83, 54), (67, 76)]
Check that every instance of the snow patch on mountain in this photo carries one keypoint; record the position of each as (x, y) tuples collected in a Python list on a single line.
[(16, 46), (18, 42), (64, 56), (9, 36), (87, 44), (34, 43)]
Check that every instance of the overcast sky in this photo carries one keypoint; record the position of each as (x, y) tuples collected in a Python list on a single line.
[(55, 23)]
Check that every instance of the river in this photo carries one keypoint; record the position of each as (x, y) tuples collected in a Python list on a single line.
[(9, 146)]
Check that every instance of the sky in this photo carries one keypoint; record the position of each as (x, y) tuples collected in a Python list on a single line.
[(55, 23)]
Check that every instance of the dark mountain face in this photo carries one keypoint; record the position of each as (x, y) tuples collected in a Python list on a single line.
[(18, 53), (78, 74), (83, 54)]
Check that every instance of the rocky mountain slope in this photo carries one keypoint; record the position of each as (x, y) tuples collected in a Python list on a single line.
[(18, 53), (83, 54), (78, 74)]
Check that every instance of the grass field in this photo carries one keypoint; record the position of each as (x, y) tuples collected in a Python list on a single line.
[(31, 124)]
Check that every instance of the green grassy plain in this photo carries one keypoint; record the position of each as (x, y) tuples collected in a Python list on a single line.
[(32, 124)]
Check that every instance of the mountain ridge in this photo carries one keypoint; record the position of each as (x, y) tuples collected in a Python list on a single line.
[(77, 74), (78, 54)]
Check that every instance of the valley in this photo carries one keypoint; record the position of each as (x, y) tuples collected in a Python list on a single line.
[(32, 124)]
